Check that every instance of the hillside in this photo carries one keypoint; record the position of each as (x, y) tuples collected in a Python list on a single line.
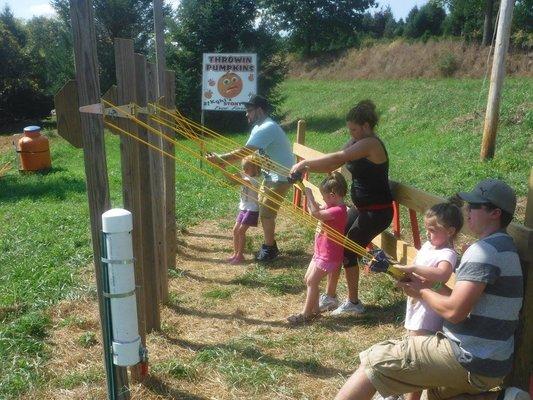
[(400, 60)]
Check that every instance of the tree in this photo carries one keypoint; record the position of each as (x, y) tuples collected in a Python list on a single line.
[(426, 21), (379, 24), (50, 44), (20, 95), (465, 18), (206, 26), (318, 25), (12, 25), (487, 24), (131, 19)]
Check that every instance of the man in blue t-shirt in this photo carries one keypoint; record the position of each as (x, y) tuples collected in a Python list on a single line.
[(474, 352), (270, 141)]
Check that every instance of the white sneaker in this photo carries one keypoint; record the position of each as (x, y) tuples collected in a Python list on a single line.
[(327, 303), (350, 308), (514, 393)]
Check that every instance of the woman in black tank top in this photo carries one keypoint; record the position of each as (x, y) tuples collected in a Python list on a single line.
[(367, 160)]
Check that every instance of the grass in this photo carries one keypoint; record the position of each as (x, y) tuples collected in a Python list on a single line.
[(432, 129)]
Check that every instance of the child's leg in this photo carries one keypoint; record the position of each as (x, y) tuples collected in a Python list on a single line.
[(236, 238), (241, 242), (333, 279), (313, 289)]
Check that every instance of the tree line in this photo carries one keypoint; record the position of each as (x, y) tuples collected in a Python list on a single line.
[(37, 56)]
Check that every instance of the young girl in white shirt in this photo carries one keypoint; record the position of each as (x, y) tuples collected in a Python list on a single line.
[(434, 262)]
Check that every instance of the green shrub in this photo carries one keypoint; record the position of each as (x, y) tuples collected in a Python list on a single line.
[(448, 64)]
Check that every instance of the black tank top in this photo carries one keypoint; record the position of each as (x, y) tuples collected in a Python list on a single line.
[(370, 181)]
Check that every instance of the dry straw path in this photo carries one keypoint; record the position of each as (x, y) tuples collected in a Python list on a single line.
[(224, 334)]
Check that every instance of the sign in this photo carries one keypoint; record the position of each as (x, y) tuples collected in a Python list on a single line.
[(228, 79)]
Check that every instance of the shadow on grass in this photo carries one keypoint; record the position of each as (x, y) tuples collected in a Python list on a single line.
[(199, 249), (13, 189), (289, 259), (374, 315), (157, 386), (208, 235), (304, 366), (227, 317), (325, 123)]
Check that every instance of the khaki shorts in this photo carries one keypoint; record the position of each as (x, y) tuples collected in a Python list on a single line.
[(274, 190), (421, 362)]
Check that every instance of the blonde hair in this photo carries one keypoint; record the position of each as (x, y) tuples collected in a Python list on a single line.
[(252, 161)]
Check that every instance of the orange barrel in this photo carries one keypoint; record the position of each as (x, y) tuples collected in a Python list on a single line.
[(34, 150)]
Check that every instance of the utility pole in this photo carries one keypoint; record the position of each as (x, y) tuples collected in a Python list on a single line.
[(496, 79)]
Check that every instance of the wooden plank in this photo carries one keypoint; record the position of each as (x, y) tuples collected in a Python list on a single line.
[(170, 177), (146, 208), (129, 148), (528, 222), (158, 188), (92, 129), (305, 152), (111, 96), (68, 115)]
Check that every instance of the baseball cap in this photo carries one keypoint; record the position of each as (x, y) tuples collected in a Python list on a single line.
[(257, 101), (492, 191)]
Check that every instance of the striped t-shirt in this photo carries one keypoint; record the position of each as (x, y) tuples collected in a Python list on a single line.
[(484, 341)]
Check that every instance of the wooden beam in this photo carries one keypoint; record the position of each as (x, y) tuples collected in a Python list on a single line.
[(68, 115), (170, 179), (503, 33), (158, 191), (92, 129)]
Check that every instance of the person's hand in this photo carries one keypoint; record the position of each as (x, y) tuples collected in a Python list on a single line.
[(300, 166), (413, 287), (214, 158), (405, 268)]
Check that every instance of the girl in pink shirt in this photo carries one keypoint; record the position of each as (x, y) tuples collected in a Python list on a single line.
[(328, 254)]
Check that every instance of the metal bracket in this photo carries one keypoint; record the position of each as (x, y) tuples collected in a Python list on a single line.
[(127, 261), (126, 110), (118, 295)]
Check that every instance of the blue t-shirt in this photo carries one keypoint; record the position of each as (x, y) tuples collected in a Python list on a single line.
[(272, 142)]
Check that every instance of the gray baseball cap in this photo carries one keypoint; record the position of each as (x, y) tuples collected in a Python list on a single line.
[(492, 191)]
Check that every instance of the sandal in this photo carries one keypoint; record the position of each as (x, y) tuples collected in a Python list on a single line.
[(301, 319)]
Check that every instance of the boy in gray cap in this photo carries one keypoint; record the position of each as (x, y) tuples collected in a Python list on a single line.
[(474, 352)]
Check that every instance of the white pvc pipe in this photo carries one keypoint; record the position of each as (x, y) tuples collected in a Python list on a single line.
[(117, 226)]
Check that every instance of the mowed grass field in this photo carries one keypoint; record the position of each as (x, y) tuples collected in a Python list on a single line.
[(432, 129)]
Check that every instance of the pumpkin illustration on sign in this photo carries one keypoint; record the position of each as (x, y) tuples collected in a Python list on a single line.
[(229, 85)]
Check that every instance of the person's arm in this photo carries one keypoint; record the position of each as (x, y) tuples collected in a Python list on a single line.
[(440, 273), (231, 157), (314, 208), (453, 305), (329, 162)]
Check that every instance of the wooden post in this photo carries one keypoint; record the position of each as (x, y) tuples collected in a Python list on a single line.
[(86, 63), (496, 79), (522, 374), (169, 165), (170, 181), (158, 190), (300, 138), (146, 201)]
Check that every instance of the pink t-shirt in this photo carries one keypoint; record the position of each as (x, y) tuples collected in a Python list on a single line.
[(418, 315), (326, 249)]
